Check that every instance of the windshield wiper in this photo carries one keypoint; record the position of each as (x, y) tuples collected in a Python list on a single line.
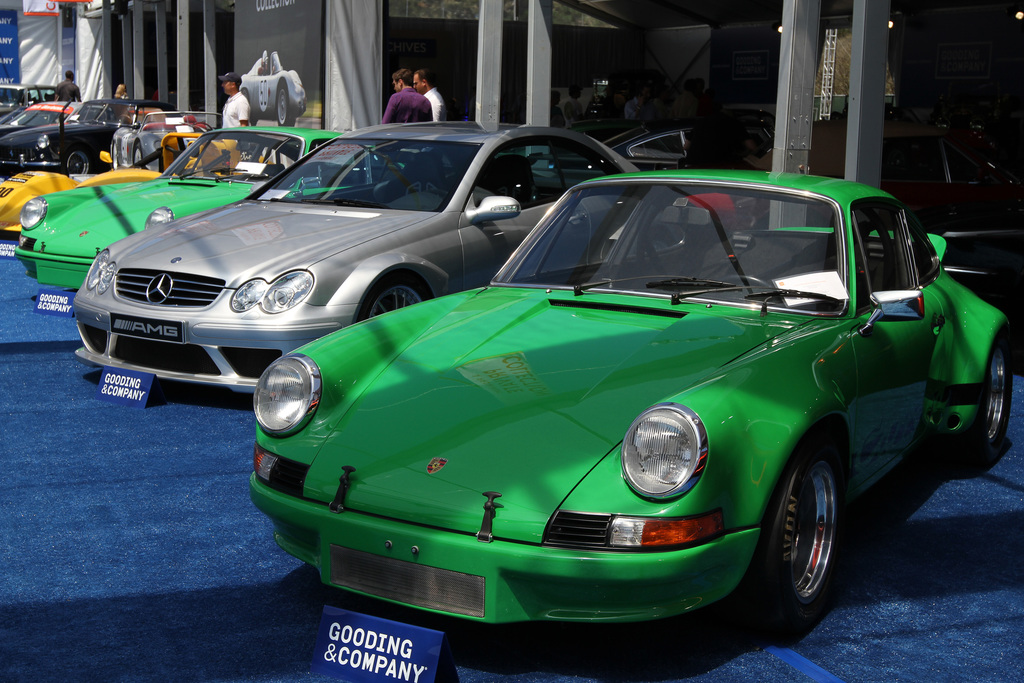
[(686, 281), (357, 203), (791, 294), (196, 171)]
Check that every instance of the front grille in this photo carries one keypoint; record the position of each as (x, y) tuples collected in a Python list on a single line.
[(408, 582), (185, 290), (159, 355), (249, 362), (288, 476), (578, 530)]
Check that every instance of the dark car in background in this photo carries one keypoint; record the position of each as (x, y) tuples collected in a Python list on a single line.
[(75, 150), (15, 95), (985, 250)]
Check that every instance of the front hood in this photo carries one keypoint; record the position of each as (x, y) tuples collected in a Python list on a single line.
[(22, 138), (84, 221), (518, 395), (258, 239)]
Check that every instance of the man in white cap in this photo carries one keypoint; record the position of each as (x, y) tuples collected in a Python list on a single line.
[(236, 109)]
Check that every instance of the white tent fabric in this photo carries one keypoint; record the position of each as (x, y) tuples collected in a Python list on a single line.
[(354, 64), (91, 78)]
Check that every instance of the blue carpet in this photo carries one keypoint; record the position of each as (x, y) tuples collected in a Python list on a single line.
[(129, 551)]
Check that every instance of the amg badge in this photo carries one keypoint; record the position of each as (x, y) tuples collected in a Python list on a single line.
[(162, 330)]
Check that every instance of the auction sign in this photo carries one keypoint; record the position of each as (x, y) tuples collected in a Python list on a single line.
[(10, 66)]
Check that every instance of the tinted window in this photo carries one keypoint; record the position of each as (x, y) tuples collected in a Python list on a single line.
[(912, 159)]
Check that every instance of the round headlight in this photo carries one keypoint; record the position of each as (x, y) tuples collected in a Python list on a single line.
[(664, 450), (33, 212), (287, 291), (101, 272), (248, 295), (159, 217), (287, 394), (42, 142)]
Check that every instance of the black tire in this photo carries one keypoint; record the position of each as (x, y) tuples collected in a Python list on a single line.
[(391, 293), (787, 586), (136, 153), (982, 443), (78, 161)]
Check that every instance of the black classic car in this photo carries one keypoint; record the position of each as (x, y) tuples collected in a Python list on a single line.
[(75, 148)]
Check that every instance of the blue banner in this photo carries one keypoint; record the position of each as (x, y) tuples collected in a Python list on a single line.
[(10, 65), (56, 302), (365, 649), (128, 388)]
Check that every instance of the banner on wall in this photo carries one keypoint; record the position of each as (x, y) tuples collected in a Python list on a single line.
[(44, 8), (279, 54), (10, 64)]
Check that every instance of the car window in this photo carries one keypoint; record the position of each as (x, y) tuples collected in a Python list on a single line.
[(410, 175), (926, 261), (882, 259), (666, 146), (665, 237), (913, 159), (961, 168), (538, 171), (237, 155)]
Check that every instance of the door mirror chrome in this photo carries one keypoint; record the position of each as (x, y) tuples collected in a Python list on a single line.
[(894, 306), (494, 209)]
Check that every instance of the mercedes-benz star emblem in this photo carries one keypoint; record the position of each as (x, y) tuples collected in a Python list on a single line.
[(159, 289)]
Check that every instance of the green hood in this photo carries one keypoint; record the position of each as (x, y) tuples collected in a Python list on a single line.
[(84, 221), (521, 392)]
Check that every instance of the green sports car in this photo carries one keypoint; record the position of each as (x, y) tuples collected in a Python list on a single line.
[(666, 397), (63, 232)]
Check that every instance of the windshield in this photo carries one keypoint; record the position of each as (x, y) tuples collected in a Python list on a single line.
[(107, 112), (688, 240), (236, 154), (35, 117), (411, 175)]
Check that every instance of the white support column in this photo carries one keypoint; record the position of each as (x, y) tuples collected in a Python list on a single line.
[(867, 91), (183, 61), (210, 82), (136, 85), (488, 65), (126, 51), (108, 50), (162, 65), (538, 64), (797, 66)]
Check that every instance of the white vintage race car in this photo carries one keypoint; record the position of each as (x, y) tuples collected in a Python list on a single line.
[(273, 93)]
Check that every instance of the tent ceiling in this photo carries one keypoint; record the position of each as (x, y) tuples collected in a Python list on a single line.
[(655, 14)]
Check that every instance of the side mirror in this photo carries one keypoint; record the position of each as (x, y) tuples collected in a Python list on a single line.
[(894, 306), (494, 209)]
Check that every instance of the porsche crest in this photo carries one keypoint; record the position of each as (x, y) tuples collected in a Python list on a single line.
[(436, 464)]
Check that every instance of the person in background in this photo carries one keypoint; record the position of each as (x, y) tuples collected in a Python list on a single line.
[(406, 105), (66, 90), (573, 108), (423, 82), (121, 93), (236, 109)]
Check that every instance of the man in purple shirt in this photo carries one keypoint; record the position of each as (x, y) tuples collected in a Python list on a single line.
[(406, 105)]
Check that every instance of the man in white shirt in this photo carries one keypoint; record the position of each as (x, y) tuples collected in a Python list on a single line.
[(236, 109), (423, 83)]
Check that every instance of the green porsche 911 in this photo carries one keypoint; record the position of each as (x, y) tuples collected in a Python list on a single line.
[(666, 397)]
